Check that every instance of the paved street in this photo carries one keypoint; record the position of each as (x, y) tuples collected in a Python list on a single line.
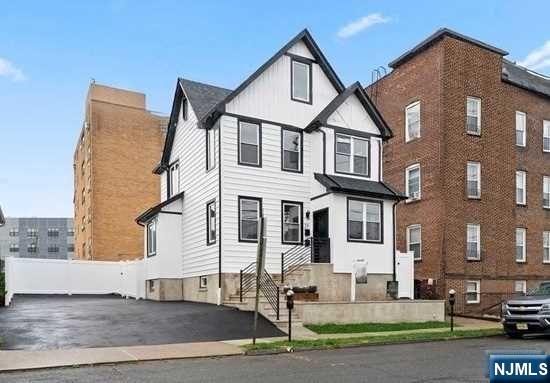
[(453, 361)]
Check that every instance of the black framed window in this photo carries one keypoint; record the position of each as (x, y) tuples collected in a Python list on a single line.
[(53, 232), (14, 248), (184, 108), (152, 238), (53, 249), (14, 232), (211, 222), (291, 219), (365, 220), (210, 149), (352, 155), (32, 248), (32, 233), (250, 148), (291, 147), (301, 81), (70, 248), (250, 211)]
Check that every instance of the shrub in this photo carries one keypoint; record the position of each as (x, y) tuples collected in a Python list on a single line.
[(2, 284)]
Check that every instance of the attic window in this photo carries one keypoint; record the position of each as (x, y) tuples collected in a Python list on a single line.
[(301, 81), (184, 110)]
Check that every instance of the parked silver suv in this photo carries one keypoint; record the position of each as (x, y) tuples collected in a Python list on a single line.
[(528, 314)]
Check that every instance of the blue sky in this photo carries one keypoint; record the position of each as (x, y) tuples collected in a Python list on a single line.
[(50, 50)]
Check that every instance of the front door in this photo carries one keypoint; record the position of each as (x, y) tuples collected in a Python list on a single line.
[(321, 240)]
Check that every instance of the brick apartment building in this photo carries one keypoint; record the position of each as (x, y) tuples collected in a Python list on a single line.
[(117, 149), (472, 150)]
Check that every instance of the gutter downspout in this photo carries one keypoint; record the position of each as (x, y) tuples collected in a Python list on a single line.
[(219, 294), (394, 276)]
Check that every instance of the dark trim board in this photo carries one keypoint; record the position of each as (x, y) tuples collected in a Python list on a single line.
[(259, 165), (261, 121), (239, 198), (351, 132), (381, 203), (301, 58), (301, 204), (151, 212), (301, 167)]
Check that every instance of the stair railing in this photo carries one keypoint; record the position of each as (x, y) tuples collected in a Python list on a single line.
[(295, 257), (268, 287)]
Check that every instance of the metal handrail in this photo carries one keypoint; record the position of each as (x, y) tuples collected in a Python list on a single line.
[(268, 286), (295, 257)]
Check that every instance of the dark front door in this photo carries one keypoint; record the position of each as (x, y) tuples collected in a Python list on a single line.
[(321, 240)]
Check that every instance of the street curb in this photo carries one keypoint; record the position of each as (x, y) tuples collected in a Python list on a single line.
[(321, 348)]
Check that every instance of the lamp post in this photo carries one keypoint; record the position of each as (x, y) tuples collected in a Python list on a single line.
[(452, 300), (290, 306)]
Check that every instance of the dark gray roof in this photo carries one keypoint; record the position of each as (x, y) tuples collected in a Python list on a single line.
[(150, 213), (202, 97), (439, 34), (355, 186), (524, 78), (357, 89), (2, 219)]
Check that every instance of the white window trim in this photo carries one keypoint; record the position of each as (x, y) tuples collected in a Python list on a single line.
[(152, 223), (477, 227), (289, 203), (203, 282), (309, 87), (524, 247), (478, 102), (409, 229), (545, 134), (524, 138), (545, 234), (523, 287), (477, 291), (523, 186), (174, 182), (545, 181), (478, 166), (407, 170), (410, 106)]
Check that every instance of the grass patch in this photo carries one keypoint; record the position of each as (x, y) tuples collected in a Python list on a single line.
[(332, 328), (372, 339)]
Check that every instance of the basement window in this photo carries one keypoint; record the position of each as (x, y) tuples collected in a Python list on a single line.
[(472, 291), (203, 282)]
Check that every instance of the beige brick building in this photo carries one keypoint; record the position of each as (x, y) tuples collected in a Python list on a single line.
[(117, 149)]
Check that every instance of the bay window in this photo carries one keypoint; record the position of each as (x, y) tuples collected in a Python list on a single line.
[(364, 220)]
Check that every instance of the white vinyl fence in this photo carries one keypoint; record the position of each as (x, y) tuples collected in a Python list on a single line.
[(52, 276), (405, 274)]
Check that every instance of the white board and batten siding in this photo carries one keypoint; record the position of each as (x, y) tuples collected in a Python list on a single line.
[(200, 186)]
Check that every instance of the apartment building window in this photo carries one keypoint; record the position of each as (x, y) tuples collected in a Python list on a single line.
[(473, 177), (70, 232), (546, 136), (520, 287), (174, 181), (301, 81), (152, 238), (473, 115), (83, 222), (473, 242), (250, 144), (521, 252), (546, 246), (364, 220), (546, 192), (53, 249), (291, 150), (412, 121), (250, 211), (83, 195), (32, 248), (70, 248), (14, 248), (210, 149), (414, 241), (521, 187), (32, 233), (352, 155), (521, 129), (473, 291), (14, 232), (291, 222), (413, 182), (211, 222), (53, 232)]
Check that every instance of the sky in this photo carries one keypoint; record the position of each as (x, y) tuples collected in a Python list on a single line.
[(50, 50)]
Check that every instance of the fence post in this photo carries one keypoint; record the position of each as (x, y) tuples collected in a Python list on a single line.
[(241, 287), (282, 267), (278, 299)]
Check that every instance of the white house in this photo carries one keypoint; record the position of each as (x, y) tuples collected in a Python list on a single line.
[(291, 144)]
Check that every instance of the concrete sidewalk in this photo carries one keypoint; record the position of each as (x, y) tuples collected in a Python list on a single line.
[(29, 360)]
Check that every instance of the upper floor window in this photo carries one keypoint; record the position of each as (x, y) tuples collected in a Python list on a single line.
[(14, 232), (364, 220), (352, 155), (414, 241), (520, 245), (53, 232), (473, 115), (249, 217), (32, 248), (70, 248), (211, 222), (546, 192), (412, 182), (546, 246), (14, 247), (291, 150), (32, 233), (546, 136), (473, 243), (184, 108), (249, 144), (174, 181), (412, 121), (210, 149), (473, 177), (291, 222), (521, 129), (301, 81), (152, 238), (53, 249), (521, 187), (70, 232)]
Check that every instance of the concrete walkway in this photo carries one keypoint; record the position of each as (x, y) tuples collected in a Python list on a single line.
[(29, 360)]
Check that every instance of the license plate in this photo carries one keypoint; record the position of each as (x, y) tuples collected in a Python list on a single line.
[(522, 326)]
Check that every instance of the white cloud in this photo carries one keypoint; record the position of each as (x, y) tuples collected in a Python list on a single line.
[(9, 70), (538, 58), (363, 23)]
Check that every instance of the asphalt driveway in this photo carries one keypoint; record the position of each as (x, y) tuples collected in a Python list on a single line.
[(38, 322)]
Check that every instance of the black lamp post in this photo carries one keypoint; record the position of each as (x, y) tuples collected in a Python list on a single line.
[(452, 300), (290, 306)]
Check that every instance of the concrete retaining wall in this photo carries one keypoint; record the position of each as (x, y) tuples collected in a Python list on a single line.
[(372, 312)]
